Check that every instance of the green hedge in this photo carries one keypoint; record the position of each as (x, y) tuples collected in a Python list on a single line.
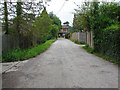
[(108, 58), (109, 43)]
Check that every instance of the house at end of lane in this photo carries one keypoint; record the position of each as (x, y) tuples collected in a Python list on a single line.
[(63, 31)]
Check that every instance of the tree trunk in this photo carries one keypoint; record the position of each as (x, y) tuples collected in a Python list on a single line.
[(19, 13), (6, 17)]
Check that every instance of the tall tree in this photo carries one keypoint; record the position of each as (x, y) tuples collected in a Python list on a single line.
[(6, 17), (56, 26), (19, 19), (19, 15), (55, 20), (82, 17), (42, 27)]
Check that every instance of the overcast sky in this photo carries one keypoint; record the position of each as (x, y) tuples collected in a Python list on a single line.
[(64, 8)]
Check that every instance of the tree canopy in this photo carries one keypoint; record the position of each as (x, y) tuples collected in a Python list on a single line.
[(55, 20), (29, 22), (103, 20)]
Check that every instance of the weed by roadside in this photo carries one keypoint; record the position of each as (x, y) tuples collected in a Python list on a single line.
[(91, 50), (88, 49), (76, 41), (22, 54)]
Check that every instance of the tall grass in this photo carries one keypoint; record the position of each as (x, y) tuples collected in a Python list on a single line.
[(108, 58), (22, 54), (76, 41)]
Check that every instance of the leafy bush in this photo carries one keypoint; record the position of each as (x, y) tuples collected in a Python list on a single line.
[(76, 41), (41, 27), (113, 27), (82, 42), (109, 42), (90, 50), (103, 20), (106, 29), (13, 55), (108, 58), (54, 31), (22, 54)]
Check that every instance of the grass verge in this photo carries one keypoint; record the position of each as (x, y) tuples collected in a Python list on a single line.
[(88, 49), (23, 54), (108, 58), (76, 41)]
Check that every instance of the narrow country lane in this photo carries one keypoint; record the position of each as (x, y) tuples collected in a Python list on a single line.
[(63, 65)]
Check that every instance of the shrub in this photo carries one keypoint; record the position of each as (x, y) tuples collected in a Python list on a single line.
[(88, 49), (108, 58), (82, 42), (76, 41), (13, 55), (110, 42)]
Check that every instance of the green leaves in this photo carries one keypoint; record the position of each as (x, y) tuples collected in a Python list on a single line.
[(82, 17), (112, 27), (55, 26), (54, 31), (42, 27), (55, 20), (102, 19)]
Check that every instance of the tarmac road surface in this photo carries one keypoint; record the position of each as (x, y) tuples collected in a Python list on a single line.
[(63, 65)]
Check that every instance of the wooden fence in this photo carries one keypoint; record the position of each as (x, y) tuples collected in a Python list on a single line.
[(83, 36), (9, 42)]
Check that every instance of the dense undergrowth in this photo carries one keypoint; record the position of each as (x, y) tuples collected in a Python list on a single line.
[(92, 51), (23, 54), (108, 58), (76, 41)]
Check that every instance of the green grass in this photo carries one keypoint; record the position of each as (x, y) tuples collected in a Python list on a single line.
[(108, 58), (23, 54), (82, 42), (76, 41), (88, 49), (91, 50)]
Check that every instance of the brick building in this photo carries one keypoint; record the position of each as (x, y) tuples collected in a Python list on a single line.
[(63, 31)]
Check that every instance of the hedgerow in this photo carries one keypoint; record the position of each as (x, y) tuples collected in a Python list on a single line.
[(103, 19)]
